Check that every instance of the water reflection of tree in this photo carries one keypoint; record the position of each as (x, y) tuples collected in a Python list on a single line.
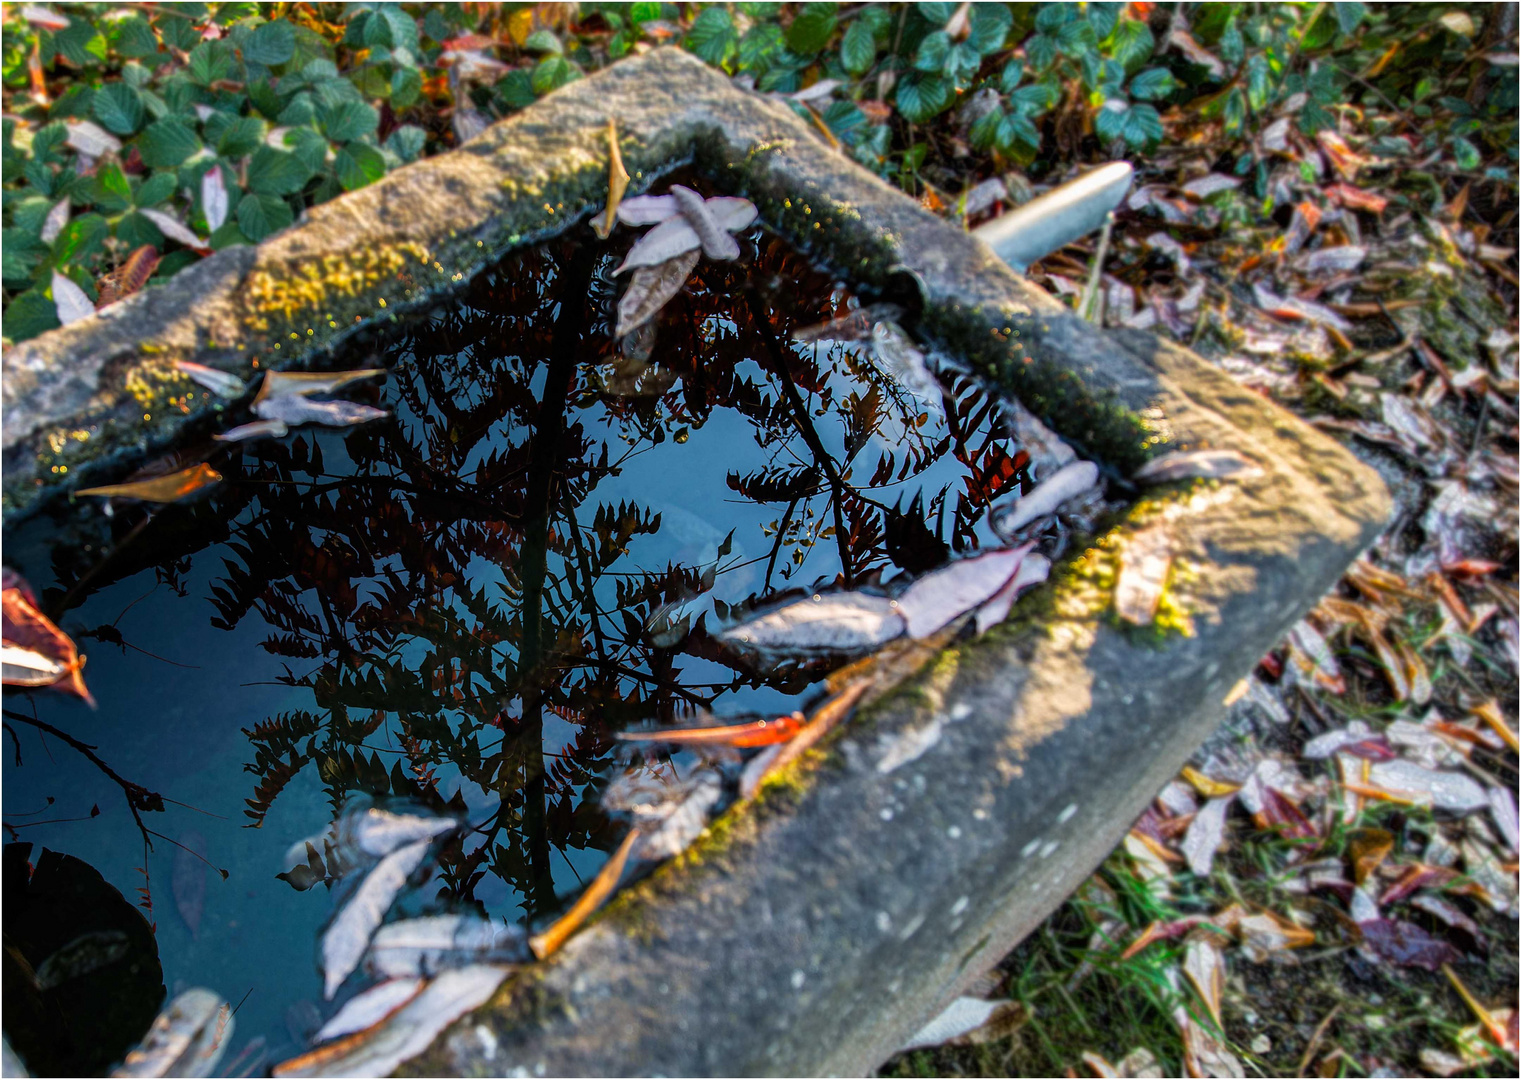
[(457, 582)]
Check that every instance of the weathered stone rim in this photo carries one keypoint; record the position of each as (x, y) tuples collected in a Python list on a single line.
[(813, 930)]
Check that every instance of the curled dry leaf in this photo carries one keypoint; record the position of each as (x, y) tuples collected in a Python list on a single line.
[(434, 943), (947, 593), (348, 935), (378, 1050), (1144, 564), (717, 244), (129, 277), (1066, 483), (186, 1039), (1197, 464), (675, 236), (651, 288), (617, 183), (221, 383), (370, 1008), (34, 651), (839, 623), (70, 301), (596, 893), (171, 487), (968, 1021)]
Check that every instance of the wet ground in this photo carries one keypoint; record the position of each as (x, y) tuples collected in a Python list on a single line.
[(459, 605)]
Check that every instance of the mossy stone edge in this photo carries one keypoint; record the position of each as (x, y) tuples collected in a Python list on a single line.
[(813, 930)]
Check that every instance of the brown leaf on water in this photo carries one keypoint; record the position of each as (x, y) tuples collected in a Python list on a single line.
[(651, 288), (35, 652), (617, 183), (163, 489)]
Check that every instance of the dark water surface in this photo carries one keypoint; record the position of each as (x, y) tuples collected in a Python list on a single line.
[(459, 605)]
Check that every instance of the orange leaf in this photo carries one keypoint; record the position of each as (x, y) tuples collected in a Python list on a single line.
[(37, 653), (759, 733), (163, 489)]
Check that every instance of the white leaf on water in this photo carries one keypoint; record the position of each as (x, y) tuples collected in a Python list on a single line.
[(1144, 563), (296, 409), (369, 1008), (651, 289), (347, 937), (841, 622), (70, 300), (1205, 834), (1032, 571), (1066, 483), (187, 1038), (434, 943), (675, 236), (961, 1021), (259, 429), (221, 383), (684, 819), (214, 198), (897, 355), (1191, 464), (1443, 790), (716, 242), (53, 224), (91, 139), (944, 594), (379, 832), (305, 383), (647, 209), (174, 229), (410, 1030), (24, 667)]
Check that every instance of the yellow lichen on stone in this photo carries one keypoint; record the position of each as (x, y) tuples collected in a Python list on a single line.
[(315, 285)]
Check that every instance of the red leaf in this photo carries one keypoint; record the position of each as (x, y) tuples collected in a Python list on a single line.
[(27, 629), (1406, 944)]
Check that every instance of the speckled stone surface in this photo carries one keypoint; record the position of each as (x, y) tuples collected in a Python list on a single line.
[(812, 930)]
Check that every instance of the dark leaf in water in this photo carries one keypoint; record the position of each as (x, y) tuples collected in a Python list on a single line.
[(651, 288), (304, 875), (86, 953), (910, 544), (188, 881), (1406, 944)]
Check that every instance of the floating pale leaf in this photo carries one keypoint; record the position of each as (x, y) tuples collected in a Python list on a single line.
[(1032, 571), (36, 653), (296, 409), (838, 623), (347, 937), (682, 819), (1144, 564), (717, 244), (379, 832), (304, 383), (647, 209), (186, 1039), (945, 594), (171, 487), (378, 1050), (651, 288), (852, 326), (675, 236), (220, 383), (1192, 464), (70, 300), (1066, 483), (258, 429), (370, 1008), (433, 943), (617, 183)]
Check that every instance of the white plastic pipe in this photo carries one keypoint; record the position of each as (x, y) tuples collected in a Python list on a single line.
[(1060, 216)]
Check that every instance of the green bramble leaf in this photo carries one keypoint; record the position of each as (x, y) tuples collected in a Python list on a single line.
[(132, 37), (261, 215), (712, 37), (156, 189), (984, 133), (1104, 18), (241, 137), (407, 142), (81, 238), (1152, 84), (134, 230), (118, 108), (112, 190), (1132, 44), (920, 96), (348, 120), (1465, 153), (166, 144), (933, 51), (20, 252), (1040, 51), (990, 24), (406, 87), (1018, 135), (275, 172), (358, 164), (1109, 121), (1012, 73), (759, 45), (515, 90), (211, 61), (30, 314), (812, 28), (1143, 126), (1076, 38), (858, 48), (552, 73), (543, 41), (271, 44)]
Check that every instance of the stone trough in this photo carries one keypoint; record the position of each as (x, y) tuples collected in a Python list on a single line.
[(813, 930)]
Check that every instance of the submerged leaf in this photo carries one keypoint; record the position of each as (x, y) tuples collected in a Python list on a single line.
[(852, 326), (347, 937), (369, 1008), (379, 832), (186, 1039), (838, 623), (431, 944), (897, 355), (304, 383), (666, 830), (171, 487), (651, 289), (1066, 483)]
